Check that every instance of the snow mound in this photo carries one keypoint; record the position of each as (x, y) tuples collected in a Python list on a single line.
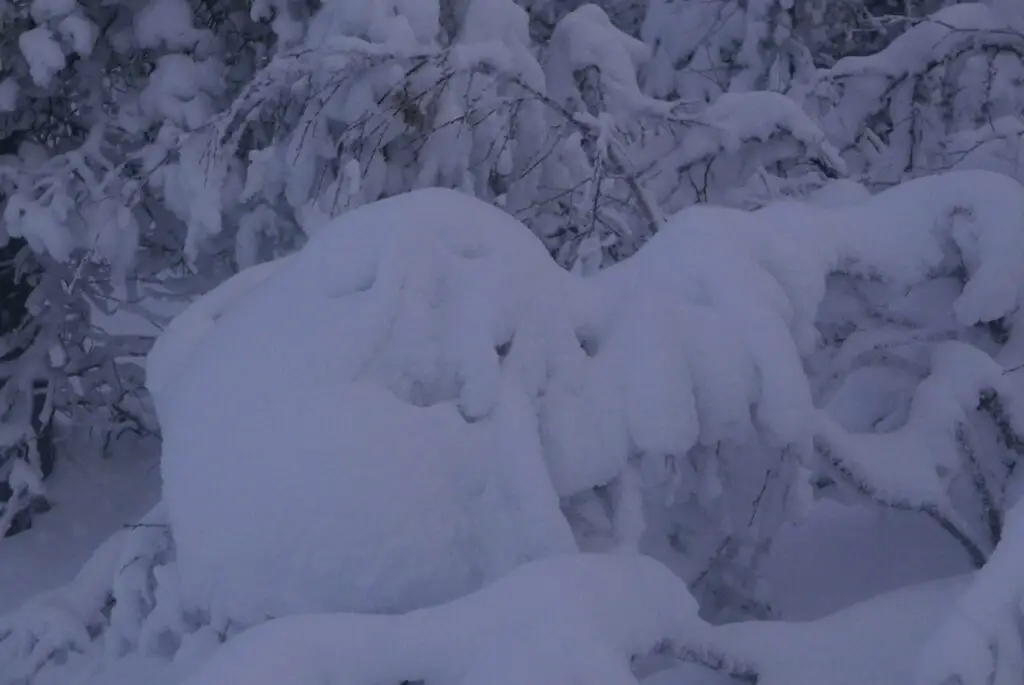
[(389, 460), (576, 618)]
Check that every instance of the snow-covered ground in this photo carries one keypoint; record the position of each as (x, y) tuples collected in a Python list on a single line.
[(840, 556), (91, 499)]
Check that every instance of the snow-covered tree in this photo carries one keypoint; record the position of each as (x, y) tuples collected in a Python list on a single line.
[(945, 94), (650, 375)]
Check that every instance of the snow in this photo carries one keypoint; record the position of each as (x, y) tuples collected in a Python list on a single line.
[(91, 499), (79, 32), (167, 22), (405, 23), (56, 577), (608, 608), (43, 53), (760, 115), (432, 446), (934, 36), (980, 640), (420, 350), (875, 642), (43, 10), (585, 38), (407, 475), (841, 554), (8, 95), (407, 414)]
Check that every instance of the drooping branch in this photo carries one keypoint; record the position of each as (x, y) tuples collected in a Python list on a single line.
[(847, 474)]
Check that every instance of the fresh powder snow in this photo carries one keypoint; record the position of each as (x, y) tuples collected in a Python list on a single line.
[(388, 342)]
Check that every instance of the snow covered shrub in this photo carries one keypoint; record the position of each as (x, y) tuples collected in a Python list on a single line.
[(947, 93), (117, 594), (696, 449), (431, 334), (155, 148), (890, 305), (26, 448), (374, 103), (371, 392), (679, 385), (84, 90), (665, 401), (921, 357), (981, 640), (452, 405), (704, 49)]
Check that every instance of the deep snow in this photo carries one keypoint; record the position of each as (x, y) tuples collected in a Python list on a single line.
[(474, 390)]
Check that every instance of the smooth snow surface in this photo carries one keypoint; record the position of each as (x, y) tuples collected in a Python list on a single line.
[(420, 402), (91, 500), (876, 642), (576, 618), (840, 554)]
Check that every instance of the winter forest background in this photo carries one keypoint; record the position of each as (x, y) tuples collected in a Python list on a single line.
[(463, 294)]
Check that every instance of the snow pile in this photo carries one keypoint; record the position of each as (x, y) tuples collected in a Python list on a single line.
[(578, 618)]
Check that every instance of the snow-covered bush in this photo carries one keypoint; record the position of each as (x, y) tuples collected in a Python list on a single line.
[(389, 364), (684, 391), (155, 147), (371, 104), (627, 380), (663, 404), (84, 89), (947, 93)]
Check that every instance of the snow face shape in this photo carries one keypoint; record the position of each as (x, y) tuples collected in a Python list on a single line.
[(341, 430)]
